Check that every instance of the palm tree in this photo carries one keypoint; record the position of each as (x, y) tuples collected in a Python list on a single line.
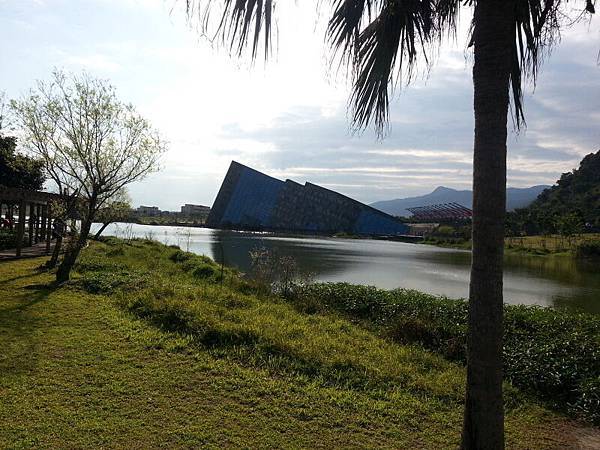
[(382, 39)]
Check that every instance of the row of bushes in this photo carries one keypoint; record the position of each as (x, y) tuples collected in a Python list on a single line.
[(553, 354)]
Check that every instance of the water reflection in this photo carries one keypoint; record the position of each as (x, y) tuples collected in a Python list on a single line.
[(317, 256), (556, 281)]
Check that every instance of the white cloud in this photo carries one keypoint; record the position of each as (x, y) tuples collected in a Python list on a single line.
[(288, 117)]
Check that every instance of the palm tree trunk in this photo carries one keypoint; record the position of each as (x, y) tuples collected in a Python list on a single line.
[(494, 34)]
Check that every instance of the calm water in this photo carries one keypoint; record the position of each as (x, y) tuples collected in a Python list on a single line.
[(559, 282)]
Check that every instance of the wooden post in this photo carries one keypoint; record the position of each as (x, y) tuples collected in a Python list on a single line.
[(38, 223), (36, 208), (42, 230), (21, 227), (11, 216), (31, 214), (48, 227)]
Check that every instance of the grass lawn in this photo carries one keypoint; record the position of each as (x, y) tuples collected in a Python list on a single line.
[(534, 245), (82, 370), (553, 244)]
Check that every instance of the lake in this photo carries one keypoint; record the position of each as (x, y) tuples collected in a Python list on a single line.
[(561, 282)]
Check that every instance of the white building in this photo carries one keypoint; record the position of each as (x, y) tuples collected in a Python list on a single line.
[(194, 210), (148, 211)]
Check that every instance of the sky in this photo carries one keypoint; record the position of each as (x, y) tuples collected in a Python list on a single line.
[(288, 117)]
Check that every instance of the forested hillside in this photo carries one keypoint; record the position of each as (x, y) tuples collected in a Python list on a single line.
[(573, 200)]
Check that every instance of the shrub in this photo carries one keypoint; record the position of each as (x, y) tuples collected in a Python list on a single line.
[(204, 271), (276, 274), (445, 230), (551, 353), (588, 403), (93, 263), (588, 249), (179, 256), (107, 282)]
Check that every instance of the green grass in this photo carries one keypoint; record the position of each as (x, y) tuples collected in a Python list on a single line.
[(549, 245), (448, 242), (141, 352), (552, 354), (554, 245)]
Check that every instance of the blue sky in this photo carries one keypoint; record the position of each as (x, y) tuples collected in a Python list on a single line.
[(289, 117)]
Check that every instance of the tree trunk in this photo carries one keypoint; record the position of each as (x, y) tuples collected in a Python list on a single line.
[(64, 270), (102, 228), (51, 264), (494, 32)]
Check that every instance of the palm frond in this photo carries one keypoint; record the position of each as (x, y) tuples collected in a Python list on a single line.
[(346, 23), (240, 22), (537, 30), (391, 43), (538, 25), (382, 41), (446, 13)]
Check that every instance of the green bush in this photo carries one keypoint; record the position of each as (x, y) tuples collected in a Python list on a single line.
[(204, 271), (111, 240), (107, 282), (445, 230), (179, 256), (94, 263), (588, 249), (551, 353)]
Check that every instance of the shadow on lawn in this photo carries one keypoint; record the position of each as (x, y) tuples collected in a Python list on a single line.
[(20, 330), (4, 282)]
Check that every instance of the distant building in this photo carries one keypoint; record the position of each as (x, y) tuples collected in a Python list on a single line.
[(148, 211), (251, 200), (189, 210)]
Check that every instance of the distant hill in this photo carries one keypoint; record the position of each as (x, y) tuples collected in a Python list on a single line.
[(515, 198), (576, 192)]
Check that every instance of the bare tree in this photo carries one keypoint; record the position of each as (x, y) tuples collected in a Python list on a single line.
[(92, 144)]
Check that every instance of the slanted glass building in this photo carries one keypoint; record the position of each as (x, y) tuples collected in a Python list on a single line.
[(251, 200)]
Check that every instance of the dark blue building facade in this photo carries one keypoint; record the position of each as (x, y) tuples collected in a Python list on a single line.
[(251, 200)]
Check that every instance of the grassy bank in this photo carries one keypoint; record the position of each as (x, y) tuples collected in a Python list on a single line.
[(584, 245), (152, 347), (551, 354), (458, 243), (553, 244)]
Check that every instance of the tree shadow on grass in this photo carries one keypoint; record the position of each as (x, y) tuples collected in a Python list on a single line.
[(21, 331), (33, 274)]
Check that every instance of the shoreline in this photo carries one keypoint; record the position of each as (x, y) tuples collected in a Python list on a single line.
[(510, 248)]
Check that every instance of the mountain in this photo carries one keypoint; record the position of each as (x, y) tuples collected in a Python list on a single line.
[(576, 192), (515, 198)]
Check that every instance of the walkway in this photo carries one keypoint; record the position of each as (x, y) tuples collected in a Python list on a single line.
[(34, 251)]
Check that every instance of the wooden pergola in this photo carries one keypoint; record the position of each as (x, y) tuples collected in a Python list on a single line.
[(30, 213)]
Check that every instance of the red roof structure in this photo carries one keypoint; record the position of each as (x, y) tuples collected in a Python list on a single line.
[(441, 212)]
